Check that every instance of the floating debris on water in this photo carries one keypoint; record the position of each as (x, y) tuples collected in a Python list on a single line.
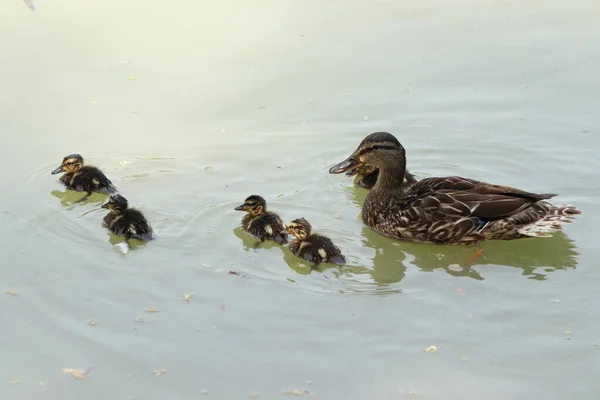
[(131, 78), (151, 309), (296, 392), (94, 101), (76, 373), (253, 396), (30, 4), (92, 322), (337, 215), (430, 349), (14, 382), (11, 292), (187, 298), (158, 372), (140, 320), (464, 358)]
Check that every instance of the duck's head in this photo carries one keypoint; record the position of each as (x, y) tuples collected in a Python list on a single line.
[(299, 228), (116, 204), (71, 163), (376, 150), (254, 205)]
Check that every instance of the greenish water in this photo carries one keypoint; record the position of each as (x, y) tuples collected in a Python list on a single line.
[(232, 99)]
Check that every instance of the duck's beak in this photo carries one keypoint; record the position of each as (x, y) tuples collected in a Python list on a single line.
[(240, 208), (105, 205), (58, 170), (349, 164)]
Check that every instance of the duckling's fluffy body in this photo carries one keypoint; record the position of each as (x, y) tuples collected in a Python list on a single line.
[(261, 223), (125, 221), (366, 176), (311, 246), (83, 178)]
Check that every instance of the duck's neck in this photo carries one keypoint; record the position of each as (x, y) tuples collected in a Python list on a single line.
[(391, 175)]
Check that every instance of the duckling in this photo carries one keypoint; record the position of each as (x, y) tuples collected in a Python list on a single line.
[(313, 247), (83, 178), (125, 221), (261, 223), (366, 176)]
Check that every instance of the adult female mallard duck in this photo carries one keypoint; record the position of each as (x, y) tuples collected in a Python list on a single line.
[(261, 223), (83, 178), (312, 247), (125, 221), (448, 210), (366, 176)]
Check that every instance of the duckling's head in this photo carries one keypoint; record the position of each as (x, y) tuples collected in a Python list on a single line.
[(299, 228), (254, 205), (71, 163), (376, 150), (116, 204)]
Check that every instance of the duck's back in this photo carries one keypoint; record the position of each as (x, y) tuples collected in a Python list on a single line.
[(265, 226), (317, 248), (88, 179), (130, 224)]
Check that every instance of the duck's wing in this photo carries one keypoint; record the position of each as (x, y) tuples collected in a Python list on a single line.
[(456, 197)]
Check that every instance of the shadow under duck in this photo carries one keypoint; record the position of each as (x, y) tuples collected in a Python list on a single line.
[(366, 176), (125, 221), (447, 210), (261, 223), (83, 178), (312, 247)]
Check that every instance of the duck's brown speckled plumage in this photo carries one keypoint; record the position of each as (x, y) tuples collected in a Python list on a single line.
[(83, 178), (447, 210), (125, 221), (261, 223)]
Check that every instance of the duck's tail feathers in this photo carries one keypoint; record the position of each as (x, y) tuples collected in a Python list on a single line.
[(552, 222)]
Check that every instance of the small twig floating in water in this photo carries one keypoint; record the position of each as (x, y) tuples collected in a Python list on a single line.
[(85, 213), (30, 4)]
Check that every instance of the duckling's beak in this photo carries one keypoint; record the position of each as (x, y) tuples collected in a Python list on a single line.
[(240, 208), (58, 170), (105, 205), (352, 172), (349, 164)]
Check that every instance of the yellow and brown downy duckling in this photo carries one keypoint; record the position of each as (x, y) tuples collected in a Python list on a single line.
[(261, 223), (125, 221), (366, 176), (83, 178), (447, 210), (312, 247)]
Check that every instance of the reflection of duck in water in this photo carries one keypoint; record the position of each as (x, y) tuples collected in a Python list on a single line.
[(536, 258), (83, 178), (261, 223), (449, 210), (125, 221), (312, 247), (366, 176)]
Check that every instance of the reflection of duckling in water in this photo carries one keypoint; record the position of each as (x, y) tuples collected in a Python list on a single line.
[(313, 247), (83, 178), (261, 223), (125, 221)]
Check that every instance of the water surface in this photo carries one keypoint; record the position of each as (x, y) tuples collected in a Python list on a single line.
[(190, 106)]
